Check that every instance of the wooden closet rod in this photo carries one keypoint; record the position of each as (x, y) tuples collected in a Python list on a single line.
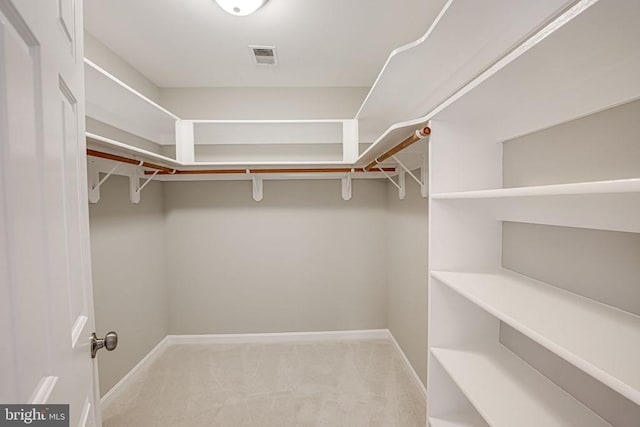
[(264, 171), (417, 136), (168, 171), (371, 167), (121, 159)]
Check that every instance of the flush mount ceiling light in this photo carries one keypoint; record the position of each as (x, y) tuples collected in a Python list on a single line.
[(241, 7)]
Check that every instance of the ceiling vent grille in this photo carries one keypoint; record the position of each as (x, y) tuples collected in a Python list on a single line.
[(263, 55)]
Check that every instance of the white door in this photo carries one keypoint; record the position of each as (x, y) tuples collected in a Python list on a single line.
[(46, 302)]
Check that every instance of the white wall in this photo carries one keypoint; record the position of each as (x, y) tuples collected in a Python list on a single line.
[(302, 259), (407, 273), (263, 103), (129, 283)]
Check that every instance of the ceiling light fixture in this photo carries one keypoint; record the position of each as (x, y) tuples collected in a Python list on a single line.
[(241, 7)]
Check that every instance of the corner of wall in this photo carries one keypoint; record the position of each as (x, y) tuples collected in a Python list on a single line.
[(102, 55)]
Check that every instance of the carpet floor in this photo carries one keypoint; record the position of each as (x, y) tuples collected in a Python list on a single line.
[(348, 383)]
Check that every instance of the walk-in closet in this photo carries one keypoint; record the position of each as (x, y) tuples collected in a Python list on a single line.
[(321, 212)]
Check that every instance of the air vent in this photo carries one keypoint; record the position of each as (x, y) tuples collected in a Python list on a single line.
[(263, 55)]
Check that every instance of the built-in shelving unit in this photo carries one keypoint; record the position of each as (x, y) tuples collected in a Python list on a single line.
[(565, 323), (584, 62), (128, 122), (457, 47)]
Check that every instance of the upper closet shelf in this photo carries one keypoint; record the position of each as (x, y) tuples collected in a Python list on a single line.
[(113, 102), (456, 48), (586, 61), (597, 338), (595, 187), (99, 142)]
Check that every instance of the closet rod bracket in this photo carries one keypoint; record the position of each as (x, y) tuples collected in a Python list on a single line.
[(147, 181), (257, 186), (346, 187), (95, 183), (390, 179), (421, 182), (135, 189)]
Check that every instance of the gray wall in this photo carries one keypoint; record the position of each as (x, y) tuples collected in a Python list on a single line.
[(103, 129), (407, 273), (302, 259), (602, 146), (204, 258), (601, 265), (128, 259), (107, 59)]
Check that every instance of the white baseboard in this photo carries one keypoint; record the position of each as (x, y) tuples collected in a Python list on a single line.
[(169, 340), (367, 334), (146, 360), (414, 374)]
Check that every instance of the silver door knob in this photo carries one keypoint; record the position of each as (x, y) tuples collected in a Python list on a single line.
[(110, 342)]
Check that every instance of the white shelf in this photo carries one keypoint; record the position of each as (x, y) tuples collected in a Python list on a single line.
[(457, 47), (599, 339), (111, 101), (595, 187), (458, 420), (611, 211), (100, 142), (508, 392), (297, 163), (252, 132), (390, 138)]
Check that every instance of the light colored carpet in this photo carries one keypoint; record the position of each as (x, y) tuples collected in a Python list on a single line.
[(351, 383)]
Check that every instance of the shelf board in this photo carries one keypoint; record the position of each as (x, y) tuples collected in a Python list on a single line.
[(98, 141), (267, 132), (601, 340), (594, 187), (301, 163), (112, 101), (508, 392), (455, 49), (458, 420), (101, 142)]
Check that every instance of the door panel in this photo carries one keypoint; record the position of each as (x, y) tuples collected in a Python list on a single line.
[(45, 282), (66, 10), (19, 118)]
